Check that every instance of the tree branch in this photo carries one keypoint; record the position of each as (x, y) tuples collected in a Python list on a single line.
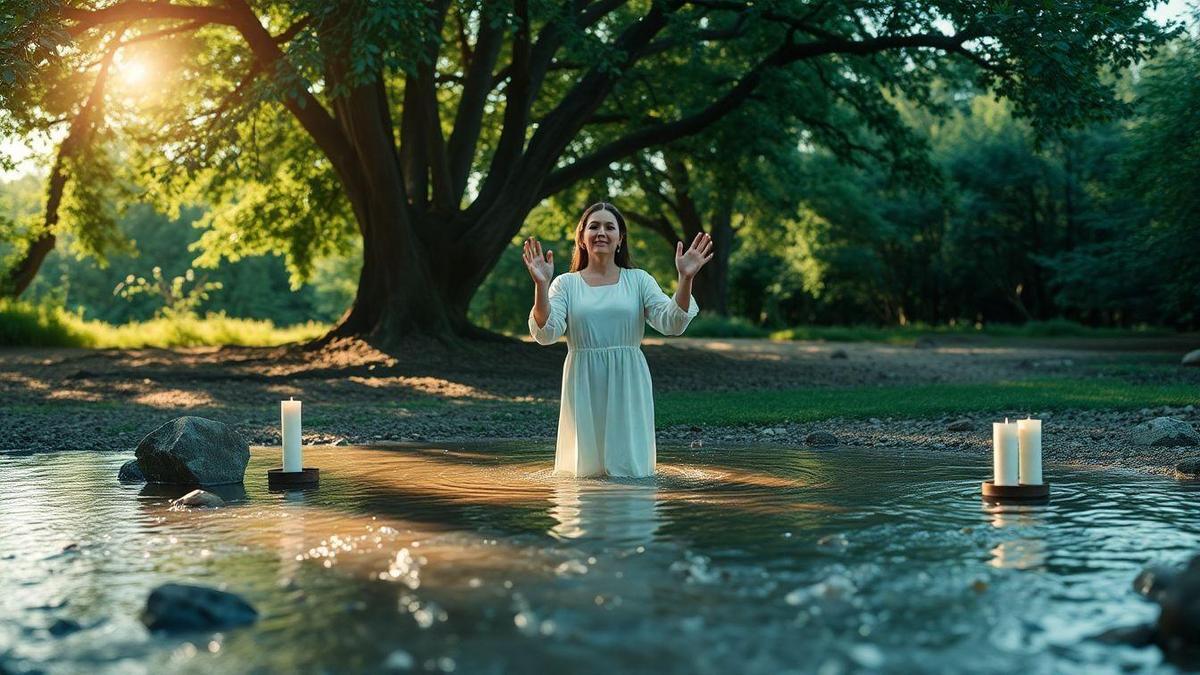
[(135, 10), (299, 101), (468, 120), (692, 124), (658, 224), (560, 125)]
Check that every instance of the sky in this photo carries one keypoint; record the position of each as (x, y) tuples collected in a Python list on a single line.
[(31, 153)]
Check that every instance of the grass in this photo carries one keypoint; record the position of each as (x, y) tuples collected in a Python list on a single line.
[(26, 325), (933, 400), (908, 334)]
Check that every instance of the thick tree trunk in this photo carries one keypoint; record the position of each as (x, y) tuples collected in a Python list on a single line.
[(23, 273), (398, 294), (712, 284)]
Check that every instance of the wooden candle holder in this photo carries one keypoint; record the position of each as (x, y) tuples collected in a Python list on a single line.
[(1023, 494), (277, 478)]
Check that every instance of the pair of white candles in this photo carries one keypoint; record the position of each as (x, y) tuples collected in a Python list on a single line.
[(289, 412), (1017, 452)]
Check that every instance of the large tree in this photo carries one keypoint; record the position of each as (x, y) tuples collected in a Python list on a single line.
[(434, 127)]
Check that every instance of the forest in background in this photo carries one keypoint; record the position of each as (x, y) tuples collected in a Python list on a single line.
[(979, 219)]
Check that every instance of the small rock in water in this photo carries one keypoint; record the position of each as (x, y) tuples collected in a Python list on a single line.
[(839, 354), (1188, 469), (181, 607), (1165, 432), (820, 439), (1134, 636), (399, 660), (979, 585), (131, 472), (1152, 582), (62, 627), (1177, 630), (963, 424), (199, 498), (833, 543), (1191, 359)]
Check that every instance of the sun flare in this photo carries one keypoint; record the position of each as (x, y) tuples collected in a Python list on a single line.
[(135, 72)]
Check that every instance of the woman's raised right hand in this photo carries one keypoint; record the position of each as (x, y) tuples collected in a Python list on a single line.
[(541, 267)]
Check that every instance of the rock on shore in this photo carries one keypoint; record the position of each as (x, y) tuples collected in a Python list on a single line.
[(1165, 432)]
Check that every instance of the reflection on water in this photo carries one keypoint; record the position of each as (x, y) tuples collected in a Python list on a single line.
[(476, 559), (613, 512)]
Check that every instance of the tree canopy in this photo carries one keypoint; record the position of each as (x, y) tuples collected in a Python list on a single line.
[(431, 129)]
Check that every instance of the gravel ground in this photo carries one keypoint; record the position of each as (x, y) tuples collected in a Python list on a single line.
[(54, 399)]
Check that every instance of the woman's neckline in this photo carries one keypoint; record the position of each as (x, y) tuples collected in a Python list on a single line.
[(620, 273)]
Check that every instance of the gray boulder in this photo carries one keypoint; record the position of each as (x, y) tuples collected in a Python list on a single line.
[(1192, 359), (199, 498), (1165, 432), (820, 439), (131, 472), (182, 607), (193, 451)]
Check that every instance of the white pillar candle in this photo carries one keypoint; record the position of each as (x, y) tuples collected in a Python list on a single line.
[(1029, 432), (1004, 452), (289, 411)]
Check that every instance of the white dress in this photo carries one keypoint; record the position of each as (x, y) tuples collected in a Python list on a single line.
[(606, 420)]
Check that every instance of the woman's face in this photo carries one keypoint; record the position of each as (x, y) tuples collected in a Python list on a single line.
[(601, 235)]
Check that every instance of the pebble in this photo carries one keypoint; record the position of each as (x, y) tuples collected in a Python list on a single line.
[(197, 498)]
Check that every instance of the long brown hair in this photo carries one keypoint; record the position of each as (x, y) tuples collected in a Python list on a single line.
[(579, 259)]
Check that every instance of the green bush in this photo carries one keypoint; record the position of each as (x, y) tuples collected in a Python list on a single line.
[(27, 325)]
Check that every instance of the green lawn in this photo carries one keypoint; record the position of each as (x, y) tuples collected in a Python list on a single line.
[(931, 400)]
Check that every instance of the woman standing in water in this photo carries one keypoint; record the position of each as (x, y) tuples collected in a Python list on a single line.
[(606, 422)]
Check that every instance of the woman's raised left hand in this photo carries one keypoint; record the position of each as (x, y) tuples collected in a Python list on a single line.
[(690, 261)]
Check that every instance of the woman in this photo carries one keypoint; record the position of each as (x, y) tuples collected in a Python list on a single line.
[(606, 422)]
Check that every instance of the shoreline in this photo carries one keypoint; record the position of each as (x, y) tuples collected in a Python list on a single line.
[(69, 399), (1089, 439)]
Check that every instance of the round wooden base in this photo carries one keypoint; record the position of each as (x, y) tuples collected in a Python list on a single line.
[(1028, 494), (307, 477)]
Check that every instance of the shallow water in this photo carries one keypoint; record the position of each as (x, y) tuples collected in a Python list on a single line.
[(474, 559)]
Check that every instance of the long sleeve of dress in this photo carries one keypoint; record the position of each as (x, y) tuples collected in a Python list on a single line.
[(662, 312), (556, 324)]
